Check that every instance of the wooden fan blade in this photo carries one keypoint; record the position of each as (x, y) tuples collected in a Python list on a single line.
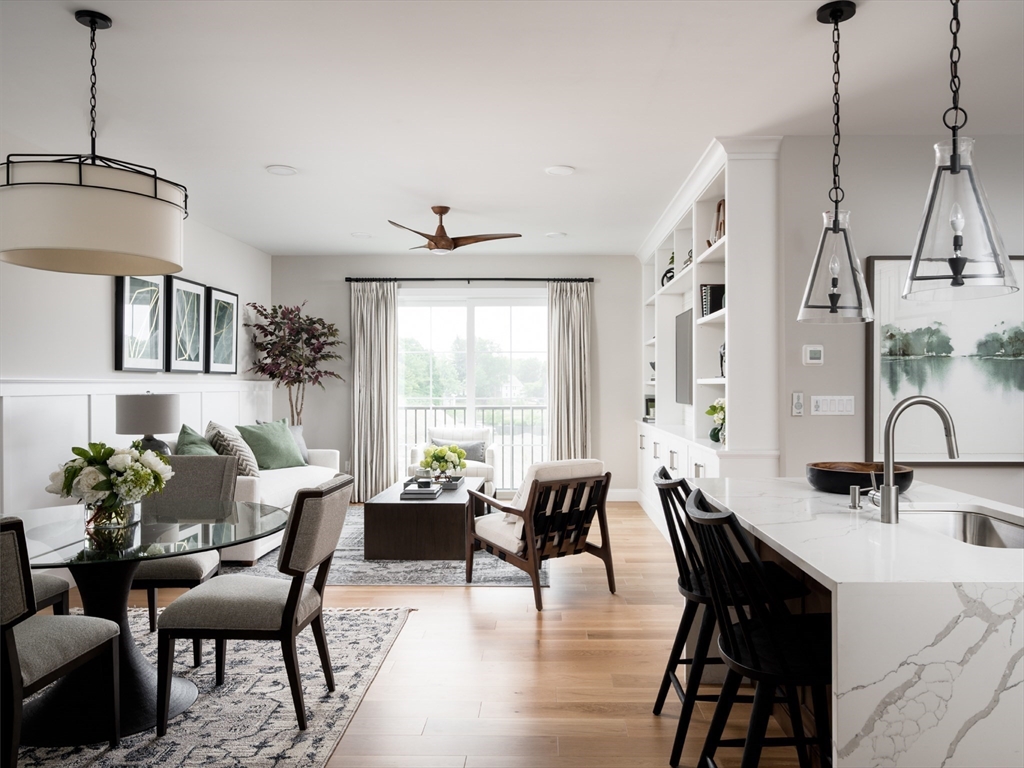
[(458, 242), (431, 238), (417, 247)]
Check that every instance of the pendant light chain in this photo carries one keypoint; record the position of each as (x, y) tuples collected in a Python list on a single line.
[(92, 88), (835, 194)]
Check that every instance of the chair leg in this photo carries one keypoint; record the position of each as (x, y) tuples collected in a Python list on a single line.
[(151, 599), (115, 700), (607, 557), (689, 613), (10, 722), (321, 645), (535, 578), (721, 717), (797, 721), (62, 607), (164, 668), (822, 725), (291, 663), (469, 558), (220, 652), (764, 698), (700, 655), (197, 652)]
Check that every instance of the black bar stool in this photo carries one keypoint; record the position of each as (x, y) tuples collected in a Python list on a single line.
[(766, 644), (693, 585)]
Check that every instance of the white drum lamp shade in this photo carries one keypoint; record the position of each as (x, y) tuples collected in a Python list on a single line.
[(89, 219), (148, 415)]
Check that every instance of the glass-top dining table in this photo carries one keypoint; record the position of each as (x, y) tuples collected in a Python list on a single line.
[(103, 563)]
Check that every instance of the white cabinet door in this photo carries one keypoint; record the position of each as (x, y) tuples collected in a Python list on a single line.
[(702, 462)]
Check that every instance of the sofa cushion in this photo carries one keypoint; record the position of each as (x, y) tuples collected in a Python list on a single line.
[(191, 443), (272, 445), (296, 430), (228, 442), (278, 486), (475, 451)]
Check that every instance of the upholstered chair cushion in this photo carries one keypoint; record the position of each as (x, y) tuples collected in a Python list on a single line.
[(185, 567), (497, 530), (46, 642), (46, 585), (543, 471), (196, 478), (314, 525), (236, 601)]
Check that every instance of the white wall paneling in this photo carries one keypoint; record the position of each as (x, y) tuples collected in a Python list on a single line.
[(42, 420)]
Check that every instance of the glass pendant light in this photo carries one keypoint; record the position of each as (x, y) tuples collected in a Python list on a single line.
[(959, 253), (836, 292), (90, 214)]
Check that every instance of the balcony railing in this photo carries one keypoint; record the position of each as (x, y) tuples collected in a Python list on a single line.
[(520, 434)]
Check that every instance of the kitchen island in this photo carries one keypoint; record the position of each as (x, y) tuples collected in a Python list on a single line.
[(928, 631)]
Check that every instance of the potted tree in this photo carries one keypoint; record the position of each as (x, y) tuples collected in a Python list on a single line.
[(291, 349)]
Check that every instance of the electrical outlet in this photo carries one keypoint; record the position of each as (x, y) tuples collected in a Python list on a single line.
[(798, 403), (348, 465), (832, 405)]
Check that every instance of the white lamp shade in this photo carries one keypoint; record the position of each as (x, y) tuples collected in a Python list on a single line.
[(89, 219), (147, 414)]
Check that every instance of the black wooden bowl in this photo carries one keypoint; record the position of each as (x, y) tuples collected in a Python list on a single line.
[(838, 476)]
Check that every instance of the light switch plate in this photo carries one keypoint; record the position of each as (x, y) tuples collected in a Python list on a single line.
[(832, 405), (798, 403)]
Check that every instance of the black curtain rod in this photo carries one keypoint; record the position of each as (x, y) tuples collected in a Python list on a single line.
[(469, 279)]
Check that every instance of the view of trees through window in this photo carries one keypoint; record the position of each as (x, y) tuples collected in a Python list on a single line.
[(476, 362)]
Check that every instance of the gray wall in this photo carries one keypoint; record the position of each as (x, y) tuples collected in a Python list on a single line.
[(885, 179), (320, 281)]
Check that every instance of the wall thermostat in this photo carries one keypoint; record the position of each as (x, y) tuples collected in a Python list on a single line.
[(814, 354)]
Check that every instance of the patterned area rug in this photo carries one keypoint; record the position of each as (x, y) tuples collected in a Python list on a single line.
[(349, 568), (249, 722)]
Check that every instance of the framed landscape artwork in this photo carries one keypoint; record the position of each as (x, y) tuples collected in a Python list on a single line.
[(138, 324), (222, 331), (186, 315), (968, 355)]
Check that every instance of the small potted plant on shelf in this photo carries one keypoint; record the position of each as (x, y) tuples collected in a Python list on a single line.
[(717, 412)]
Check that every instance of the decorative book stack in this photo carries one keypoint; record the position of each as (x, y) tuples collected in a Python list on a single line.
[(412, 492), (712, 298)]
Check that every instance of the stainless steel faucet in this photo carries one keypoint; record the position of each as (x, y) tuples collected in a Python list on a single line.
[(890, 493)]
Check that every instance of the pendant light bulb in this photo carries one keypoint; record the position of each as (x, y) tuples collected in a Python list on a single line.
[(956, 220)]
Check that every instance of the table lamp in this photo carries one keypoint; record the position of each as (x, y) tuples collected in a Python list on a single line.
[(148, 415)]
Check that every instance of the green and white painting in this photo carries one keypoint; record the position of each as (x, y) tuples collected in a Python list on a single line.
[(138, 325), (222, 327), (968, 355), (186, 315)]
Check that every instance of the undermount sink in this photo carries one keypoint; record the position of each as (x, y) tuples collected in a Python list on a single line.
[(980, 526)]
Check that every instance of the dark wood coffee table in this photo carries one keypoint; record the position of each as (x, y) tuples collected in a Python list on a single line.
[(419, 530)]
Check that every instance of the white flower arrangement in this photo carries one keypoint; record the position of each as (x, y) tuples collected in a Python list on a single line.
[(108, 479), (445, 459)]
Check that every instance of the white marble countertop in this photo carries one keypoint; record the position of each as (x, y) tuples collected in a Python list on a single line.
[(818, 532)]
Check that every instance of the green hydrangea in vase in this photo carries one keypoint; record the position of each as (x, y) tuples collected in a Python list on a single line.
[(717, 412), (110, 482), (443, 461)]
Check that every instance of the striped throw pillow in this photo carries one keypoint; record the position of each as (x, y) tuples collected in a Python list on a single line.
[(227, 442)]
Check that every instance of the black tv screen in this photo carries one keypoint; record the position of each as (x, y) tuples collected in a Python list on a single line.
[(684, 357)]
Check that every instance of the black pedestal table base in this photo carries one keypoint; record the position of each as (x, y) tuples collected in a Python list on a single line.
[(75, 709)]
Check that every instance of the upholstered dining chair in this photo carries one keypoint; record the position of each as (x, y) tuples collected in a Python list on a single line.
[(51, 590), (550, 516), (37, 648), (196, 478), (239, 606)]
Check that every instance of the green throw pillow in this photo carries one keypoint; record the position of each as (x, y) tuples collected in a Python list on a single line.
[(272, 445), (191, 443)]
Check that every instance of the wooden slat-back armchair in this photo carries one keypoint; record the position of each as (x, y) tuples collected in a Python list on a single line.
[(550, 517)]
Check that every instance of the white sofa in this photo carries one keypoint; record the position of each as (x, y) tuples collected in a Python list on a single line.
[(439, 436), (277, 488)]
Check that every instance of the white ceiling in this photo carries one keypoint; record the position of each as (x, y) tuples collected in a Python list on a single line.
[(387, 108)]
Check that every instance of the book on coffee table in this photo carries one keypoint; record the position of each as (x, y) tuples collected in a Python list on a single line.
[(413, 493)]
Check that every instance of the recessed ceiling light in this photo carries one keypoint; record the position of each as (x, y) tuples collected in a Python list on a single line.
[(555, 235), (560, 170), (361, 235), (281, 170)]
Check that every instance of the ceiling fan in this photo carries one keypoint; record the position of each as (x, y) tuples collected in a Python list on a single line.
[(439, 242)]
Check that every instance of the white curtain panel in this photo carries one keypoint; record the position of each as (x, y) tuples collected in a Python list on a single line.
[(569, 369), (375, 375)]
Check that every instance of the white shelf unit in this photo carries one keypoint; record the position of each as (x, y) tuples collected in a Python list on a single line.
[(743, 172)]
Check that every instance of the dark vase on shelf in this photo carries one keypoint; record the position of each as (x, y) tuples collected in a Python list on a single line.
[(715, 434)]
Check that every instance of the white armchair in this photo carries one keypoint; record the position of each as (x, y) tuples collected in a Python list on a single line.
[(448, 435)]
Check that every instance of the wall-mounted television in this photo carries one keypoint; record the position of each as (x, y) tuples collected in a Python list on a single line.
[(684, 357)]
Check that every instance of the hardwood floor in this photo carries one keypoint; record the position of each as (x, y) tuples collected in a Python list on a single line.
[(479, 679)]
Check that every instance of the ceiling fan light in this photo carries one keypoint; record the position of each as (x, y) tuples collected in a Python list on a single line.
[(442, 251)]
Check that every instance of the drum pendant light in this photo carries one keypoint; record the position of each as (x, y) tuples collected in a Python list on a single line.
[(836, 292), (959, 253), (90, 214)]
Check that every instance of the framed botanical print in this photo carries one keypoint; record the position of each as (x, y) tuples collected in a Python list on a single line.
[(221, 331), (186, 314), (967, 354), (138, 323)]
